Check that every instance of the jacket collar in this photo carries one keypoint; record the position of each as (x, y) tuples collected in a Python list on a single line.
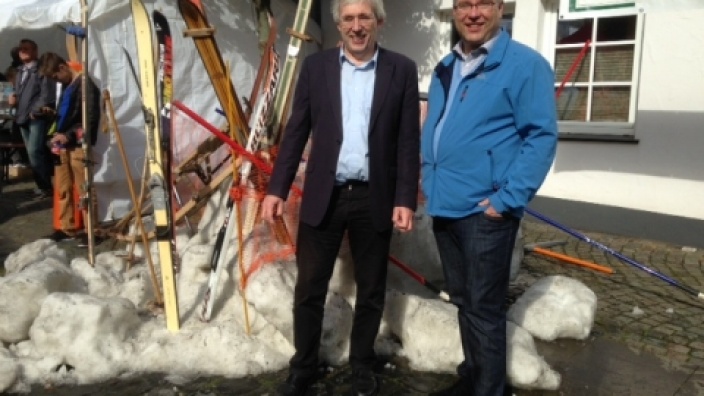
[(494, 57)]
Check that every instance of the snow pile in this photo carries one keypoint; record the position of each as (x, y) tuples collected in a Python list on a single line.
[(22, 294), (9, 369), (555, 307), (34, 252), (526, 369), (427, 330), (71, 323)]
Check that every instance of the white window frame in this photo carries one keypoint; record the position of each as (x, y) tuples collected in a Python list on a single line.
[(596, 127)]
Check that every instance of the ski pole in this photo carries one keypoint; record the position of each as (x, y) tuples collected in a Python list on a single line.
[(568, 259), (618, 255), (418, 277)]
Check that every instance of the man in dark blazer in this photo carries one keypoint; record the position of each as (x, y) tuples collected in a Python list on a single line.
[(359, 105)]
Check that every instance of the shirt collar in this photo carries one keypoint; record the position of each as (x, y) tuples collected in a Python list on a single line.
[(30, 65), (370, 63), (484, 49)]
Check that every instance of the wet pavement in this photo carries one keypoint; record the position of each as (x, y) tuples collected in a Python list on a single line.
[(647, 339)]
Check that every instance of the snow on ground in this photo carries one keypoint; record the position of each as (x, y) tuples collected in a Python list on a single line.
[(69, 323)]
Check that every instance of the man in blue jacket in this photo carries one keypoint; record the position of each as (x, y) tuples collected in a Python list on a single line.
[(487, 144)]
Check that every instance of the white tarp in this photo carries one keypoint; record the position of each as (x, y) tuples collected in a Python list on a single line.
[(110, 33)]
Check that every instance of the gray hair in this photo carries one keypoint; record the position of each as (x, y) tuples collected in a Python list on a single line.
[(377, 7)]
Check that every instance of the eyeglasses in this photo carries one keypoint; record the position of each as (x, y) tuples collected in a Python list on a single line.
[(465, 8), (363, 19)]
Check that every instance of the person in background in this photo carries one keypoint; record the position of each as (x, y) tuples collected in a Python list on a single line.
[(359, 105), (487, 145), (20, 158), (68, 138), (34, 100)]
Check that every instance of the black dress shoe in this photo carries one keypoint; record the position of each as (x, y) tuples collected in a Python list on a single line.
[(295, 385), (364, 383), (463, 387), (58, 236)]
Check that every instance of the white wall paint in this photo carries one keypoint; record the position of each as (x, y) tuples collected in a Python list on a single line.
[(672, 75), (664, 172)]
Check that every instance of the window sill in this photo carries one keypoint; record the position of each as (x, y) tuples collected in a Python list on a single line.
[(591, 137), (609, 132)]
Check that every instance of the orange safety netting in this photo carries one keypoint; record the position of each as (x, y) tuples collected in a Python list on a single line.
[(196, 164)]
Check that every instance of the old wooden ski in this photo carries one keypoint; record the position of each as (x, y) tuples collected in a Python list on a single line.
[(288, 73), (158, 187)]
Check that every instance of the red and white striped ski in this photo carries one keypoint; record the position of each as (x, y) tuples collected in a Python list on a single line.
[(258, 123)]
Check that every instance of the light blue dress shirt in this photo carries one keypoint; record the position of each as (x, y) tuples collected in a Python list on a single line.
[(357, 90)]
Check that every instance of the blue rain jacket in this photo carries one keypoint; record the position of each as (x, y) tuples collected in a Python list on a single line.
[(499, 140)]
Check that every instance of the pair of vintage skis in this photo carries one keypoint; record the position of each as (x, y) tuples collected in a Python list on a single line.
[(158, 183)]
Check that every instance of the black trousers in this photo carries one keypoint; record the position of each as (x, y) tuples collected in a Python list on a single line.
[(316, 251)]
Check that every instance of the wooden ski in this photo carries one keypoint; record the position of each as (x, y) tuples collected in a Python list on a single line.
[(288, 73), (87, 201), (157, 184), (203, 35)]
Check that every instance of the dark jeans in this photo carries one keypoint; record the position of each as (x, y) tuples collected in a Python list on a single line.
[(476, 257), (316, 251), (34, 136)]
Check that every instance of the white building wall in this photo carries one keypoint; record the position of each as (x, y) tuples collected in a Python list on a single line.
[(664, 171)]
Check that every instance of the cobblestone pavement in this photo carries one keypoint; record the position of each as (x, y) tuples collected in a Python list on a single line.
[(647, 339)]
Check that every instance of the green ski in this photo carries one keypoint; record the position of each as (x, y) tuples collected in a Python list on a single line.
[(287, 79)]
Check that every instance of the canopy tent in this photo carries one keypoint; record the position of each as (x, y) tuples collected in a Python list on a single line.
[(111, 36)]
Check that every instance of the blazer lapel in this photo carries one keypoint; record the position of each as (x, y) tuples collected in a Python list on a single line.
[(332, 77), (384, 73)]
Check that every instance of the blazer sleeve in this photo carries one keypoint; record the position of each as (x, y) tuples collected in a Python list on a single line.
[(295, 136), (409, 142)]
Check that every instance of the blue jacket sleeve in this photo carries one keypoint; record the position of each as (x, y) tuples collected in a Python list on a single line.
[(536, 123)]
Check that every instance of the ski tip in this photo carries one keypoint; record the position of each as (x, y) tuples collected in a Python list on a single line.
[(444, 296)]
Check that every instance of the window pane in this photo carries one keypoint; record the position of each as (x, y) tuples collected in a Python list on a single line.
[(611, 104), (572, 104), (614, 63), (616, 29), (565, 58), (571, 32)]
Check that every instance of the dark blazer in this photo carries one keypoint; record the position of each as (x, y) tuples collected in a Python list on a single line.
[(394, 133)]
